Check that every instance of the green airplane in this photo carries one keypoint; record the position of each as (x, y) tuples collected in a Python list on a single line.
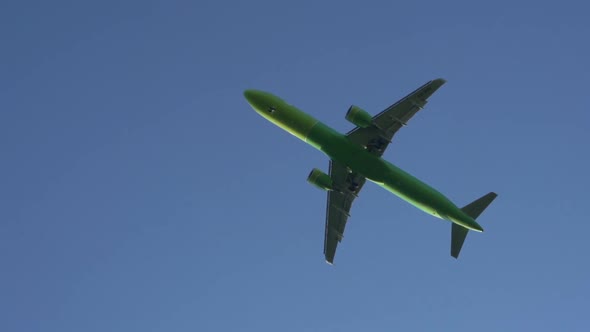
[(356, 157)]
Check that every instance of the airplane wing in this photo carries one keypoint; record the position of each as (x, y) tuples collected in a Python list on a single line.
[(385, 124), (375, 138), (346, 188)]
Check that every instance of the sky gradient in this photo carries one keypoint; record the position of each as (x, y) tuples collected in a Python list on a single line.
[(140, 192)]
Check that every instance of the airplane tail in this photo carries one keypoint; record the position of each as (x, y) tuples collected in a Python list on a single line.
[(473, 209)]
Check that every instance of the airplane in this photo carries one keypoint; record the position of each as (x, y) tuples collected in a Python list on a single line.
[(357, 156)]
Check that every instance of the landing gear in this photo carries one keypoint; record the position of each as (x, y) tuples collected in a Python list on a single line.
[(376, 144), (353, 187)]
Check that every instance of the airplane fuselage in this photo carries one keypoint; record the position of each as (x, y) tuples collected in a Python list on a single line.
[(357, 158)]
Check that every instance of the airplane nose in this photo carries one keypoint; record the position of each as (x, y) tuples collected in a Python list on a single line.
[(253, 98), (249, 94)]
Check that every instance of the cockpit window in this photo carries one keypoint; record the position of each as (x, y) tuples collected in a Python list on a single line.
[(271, 110)]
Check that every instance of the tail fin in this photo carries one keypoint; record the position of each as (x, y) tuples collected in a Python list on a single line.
[(474, 209)]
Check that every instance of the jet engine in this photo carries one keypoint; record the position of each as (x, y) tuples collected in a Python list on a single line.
[(359, 117), (320, 179)]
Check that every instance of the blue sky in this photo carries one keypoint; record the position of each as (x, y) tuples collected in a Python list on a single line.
[(139, 191)]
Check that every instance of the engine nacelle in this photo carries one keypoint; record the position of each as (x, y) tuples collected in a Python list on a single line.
[(359, 117), (320, 179)]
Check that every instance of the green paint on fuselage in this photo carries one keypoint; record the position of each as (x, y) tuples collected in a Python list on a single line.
[(339, 148)]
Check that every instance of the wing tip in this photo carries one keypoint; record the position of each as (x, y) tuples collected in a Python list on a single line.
[(329, 260), (439, 80)]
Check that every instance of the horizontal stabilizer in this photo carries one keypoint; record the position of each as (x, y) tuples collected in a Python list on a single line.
[(474, 209)]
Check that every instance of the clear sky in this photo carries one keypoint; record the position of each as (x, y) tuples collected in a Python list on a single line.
[(140, 192)]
